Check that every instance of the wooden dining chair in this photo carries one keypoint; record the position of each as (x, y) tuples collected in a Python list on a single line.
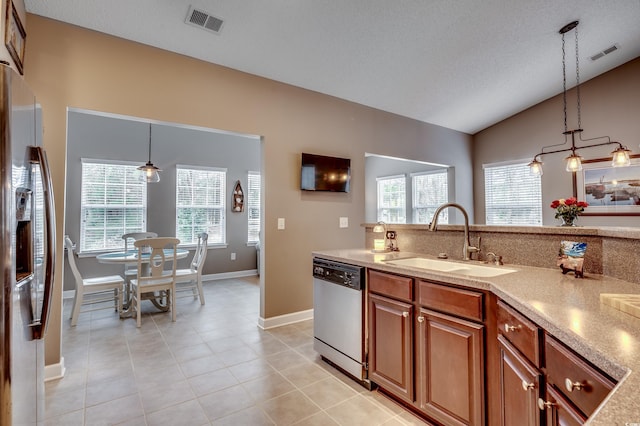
[(101, 289), (191, 278), (160, 254), (131, 271)]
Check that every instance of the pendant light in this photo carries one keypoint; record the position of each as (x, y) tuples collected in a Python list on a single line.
[(620, 155), (150, 171)]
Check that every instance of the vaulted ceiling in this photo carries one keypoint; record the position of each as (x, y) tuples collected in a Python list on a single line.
[(461, 64)]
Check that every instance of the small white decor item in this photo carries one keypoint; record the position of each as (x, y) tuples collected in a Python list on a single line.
[(237, 198)]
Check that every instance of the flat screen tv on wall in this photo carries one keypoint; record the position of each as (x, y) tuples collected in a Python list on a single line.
[(322, 173)]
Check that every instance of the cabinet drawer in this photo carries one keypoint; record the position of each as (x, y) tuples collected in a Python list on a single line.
[(452, 300), (395, 286), (521, 332), (581, 383)]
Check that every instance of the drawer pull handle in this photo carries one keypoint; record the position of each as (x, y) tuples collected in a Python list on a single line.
[(509, 328), (526, 386), (543, 405), (571, 385), (405, 314), (420, 318)]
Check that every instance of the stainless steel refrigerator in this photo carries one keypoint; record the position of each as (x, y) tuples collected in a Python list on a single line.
[(27, 253)]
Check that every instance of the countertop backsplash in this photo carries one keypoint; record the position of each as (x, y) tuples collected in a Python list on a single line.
[(611, 251)]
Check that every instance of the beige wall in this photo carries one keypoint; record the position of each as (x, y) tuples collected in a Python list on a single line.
[(72, 67), (610, 106)]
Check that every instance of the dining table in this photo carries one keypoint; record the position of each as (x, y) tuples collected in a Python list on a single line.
[(131, 258)]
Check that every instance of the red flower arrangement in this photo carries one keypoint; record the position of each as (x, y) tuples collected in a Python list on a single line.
[(568, 209)]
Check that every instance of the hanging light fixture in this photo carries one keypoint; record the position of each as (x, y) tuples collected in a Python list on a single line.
[(150, 171), (620, 155)]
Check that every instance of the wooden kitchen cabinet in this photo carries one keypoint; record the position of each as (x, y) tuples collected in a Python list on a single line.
[(520, 384), (428, 350), (450, 379), (459, 356), (391, 346), (560, 412), (542, 380)]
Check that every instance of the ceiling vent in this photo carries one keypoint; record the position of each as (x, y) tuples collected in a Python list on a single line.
[(206, 21), (604, 52)]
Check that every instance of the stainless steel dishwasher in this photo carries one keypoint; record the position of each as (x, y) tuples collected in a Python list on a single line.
[(338, 315)]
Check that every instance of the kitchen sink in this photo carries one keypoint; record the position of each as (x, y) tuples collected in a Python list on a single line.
[(470, 269)]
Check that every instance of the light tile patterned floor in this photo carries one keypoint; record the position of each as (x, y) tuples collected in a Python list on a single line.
[(214, 366)]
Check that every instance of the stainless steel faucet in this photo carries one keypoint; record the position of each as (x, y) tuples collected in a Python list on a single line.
[(467, 249)]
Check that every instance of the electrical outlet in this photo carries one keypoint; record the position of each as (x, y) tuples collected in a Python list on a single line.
[(391, 235), (233, 256), (281, 223), (344, 222)]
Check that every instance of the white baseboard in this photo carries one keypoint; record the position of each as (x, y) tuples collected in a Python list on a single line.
[(267, 323), (54, 371), (227, 275), (69, 294)]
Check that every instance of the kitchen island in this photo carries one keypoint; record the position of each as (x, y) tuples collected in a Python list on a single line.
[(566, 307)]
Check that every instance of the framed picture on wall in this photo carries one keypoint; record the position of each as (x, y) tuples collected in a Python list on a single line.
[(609, 191), (14, 36)]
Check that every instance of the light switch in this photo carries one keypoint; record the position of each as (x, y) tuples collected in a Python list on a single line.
[(344, 222), (281, 223)]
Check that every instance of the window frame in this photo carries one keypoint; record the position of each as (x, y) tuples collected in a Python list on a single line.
[(216, 239), (142, 216), (253, 205), (532, 205), (444, 219), (402, 208)]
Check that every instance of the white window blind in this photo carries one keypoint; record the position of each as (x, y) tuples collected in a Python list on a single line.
[(113, 203), (253, 207), (429, 191), (392, 199), (513, 196), (200, 204)]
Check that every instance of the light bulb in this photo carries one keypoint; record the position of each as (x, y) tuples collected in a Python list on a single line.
[(620, 158), (574, 163), (535, 168)]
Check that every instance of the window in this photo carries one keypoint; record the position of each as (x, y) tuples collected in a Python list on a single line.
[(113, 202), (513, 196), (200, 206), (253, 207), (392, 204), (430, 190)]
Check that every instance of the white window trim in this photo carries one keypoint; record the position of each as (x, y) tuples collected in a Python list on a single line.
[(413, 190), (390, 177), (507, 163), (83, 252), (210, 245), (254, 173)]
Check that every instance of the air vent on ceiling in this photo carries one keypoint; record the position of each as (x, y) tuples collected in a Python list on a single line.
[(604, 52), (206, 21)]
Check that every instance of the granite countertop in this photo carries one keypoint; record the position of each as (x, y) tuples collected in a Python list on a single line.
[(567, 307)]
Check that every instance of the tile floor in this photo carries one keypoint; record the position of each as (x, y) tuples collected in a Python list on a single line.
[(214, 366)]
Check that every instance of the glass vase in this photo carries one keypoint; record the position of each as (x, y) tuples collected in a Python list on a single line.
[(568, 220)]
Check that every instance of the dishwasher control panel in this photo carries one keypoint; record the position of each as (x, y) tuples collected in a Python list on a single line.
[(339, 273)]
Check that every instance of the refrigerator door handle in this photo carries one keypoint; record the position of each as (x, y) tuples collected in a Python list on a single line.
[(39, 156)]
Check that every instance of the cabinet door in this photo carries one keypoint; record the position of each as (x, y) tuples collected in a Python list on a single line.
[(560, 412), (519, 387), (391, 346), (451, 368)]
